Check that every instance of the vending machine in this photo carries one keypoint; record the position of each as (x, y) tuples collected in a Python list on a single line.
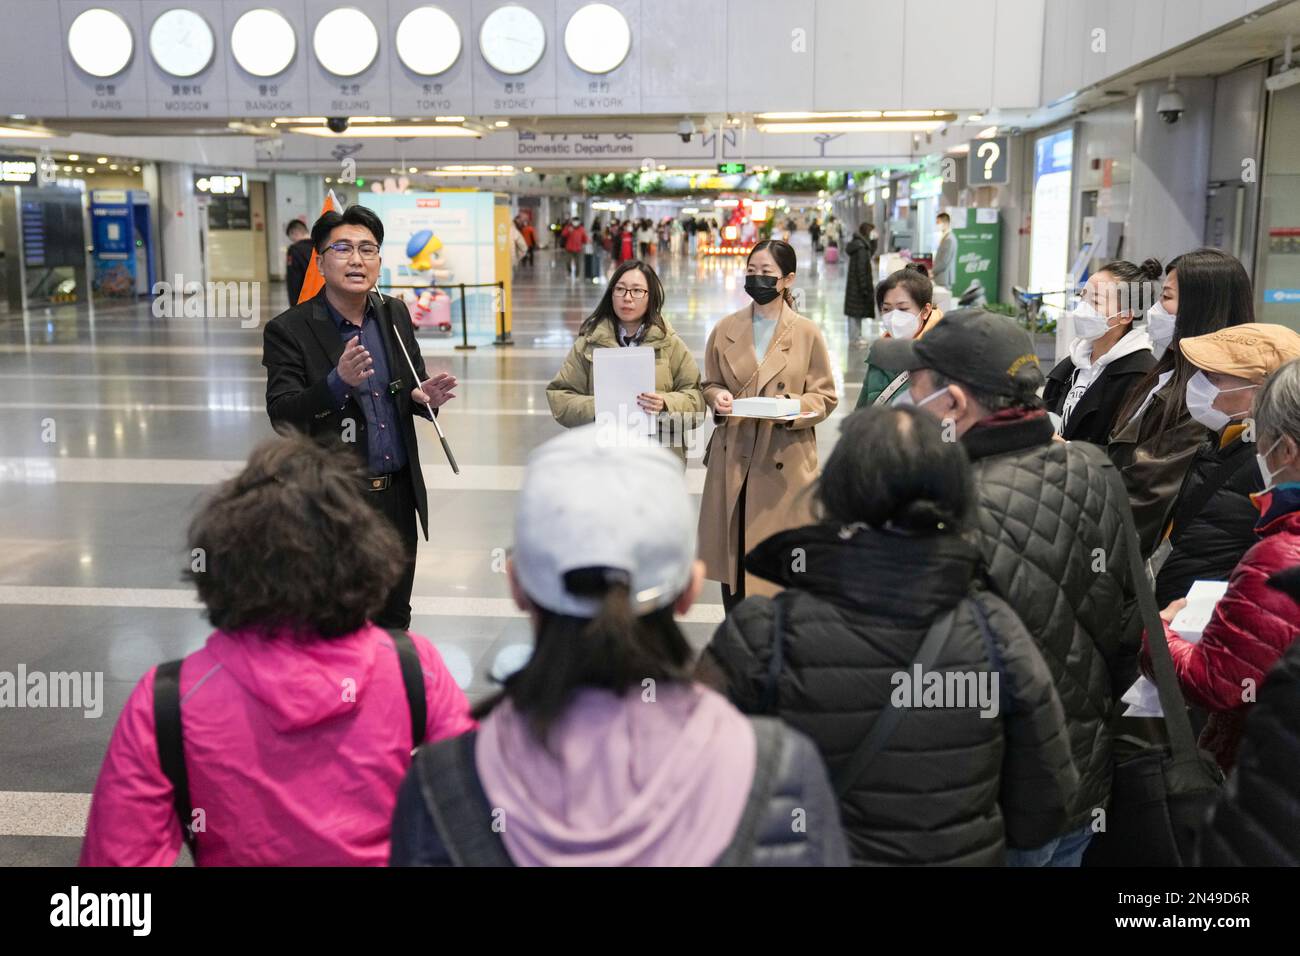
[(122, 242)]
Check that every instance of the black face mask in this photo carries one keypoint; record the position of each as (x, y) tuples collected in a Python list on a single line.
[(762, 289)]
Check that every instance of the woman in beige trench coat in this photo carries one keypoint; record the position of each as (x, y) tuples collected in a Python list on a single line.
[(760, 473)]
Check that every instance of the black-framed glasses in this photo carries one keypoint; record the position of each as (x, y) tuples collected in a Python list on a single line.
[(344, 250), (621, 291)]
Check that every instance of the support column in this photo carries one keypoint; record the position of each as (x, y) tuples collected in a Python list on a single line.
[(1171, 168), (181, 222)]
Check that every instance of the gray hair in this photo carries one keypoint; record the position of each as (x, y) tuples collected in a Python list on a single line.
[(1277, 407)]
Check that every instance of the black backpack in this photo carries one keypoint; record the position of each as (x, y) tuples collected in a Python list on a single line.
[(168, 726)]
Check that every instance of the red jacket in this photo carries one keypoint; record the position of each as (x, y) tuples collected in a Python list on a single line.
[(1252, 627), (575, 239)]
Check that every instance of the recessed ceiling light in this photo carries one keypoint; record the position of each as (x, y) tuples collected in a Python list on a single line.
[(74, 156), (101, 159), (500, 123)]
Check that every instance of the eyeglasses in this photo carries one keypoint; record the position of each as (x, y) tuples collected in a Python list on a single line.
[(344, 250), (621, 290)]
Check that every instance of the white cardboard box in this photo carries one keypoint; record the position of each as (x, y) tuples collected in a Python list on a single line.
[(766, 407)]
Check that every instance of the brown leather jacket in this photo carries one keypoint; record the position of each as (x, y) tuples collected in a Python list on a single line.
[(1153, 462)]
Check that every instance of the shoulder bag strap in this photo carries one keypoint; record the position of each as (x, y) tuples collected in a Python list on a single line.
[(893, 388), (460, 809), (171, 745), (413, 680), (1177, 722), (887, 722)]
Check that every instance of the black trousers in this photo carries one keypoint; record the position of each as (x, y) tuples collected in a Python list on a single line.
[(397, 504), (731, 598)]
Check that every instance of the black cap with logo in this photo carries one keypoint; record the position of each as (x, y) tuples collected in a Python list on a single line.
[(982, 349)]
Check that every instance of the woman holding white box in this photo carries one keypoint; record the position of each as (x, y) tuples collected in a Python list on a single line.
[(761, 469)]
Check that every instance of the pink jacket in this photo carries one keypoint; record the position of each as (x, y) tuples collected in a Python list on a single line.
[(294, 750)]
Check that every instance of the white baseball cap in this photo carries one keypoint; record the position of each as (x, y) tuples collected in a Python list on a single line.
[(587, 503)]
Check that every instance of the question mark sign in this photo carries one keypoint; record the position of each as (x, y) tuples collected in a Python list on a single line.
[(994, 151)]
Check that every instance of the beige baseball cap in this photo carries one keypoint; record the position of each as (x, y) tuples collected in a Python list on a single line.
[(1253, 350)]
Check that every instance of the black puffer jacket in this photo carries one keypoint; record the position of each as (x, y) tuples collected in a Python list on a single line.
[(1208, 544), (1255, 820), (949, 787), (859, 290), (1054, 550), (790, 819)]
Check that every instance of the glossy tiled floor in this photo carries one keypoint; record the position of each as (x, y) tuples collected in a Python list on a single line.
[(112, 424)]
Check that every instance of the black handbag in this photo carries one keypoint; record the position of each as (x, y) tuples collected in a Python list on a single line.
[(1161, 793)]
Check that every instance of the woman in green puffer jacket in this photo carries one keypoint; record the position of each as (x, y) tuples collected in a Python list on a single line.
[(629, 315), (903, 302)]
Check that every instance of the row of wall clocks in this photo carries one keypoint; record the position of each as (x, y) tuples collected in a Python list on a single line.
[(512, 40)]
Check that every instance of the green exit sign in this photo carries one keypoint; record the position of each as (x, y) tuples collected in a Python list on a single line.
[(731, 169)]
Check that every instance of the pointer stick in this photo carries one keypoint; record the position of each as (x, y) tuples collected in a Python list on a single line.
[(451, 459)]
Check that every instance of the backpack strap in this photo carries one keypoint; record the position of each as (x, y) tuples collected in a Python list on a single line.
[(888, 719), (171, 745), (413, 680), (455, 799), (1195, 503), (887, 394), (769, 738)]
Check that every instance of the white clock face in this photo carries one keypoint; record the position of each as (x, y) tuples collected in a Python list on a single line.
[(512, 39), (428, 41), (181, 43), (263, 42), (345, 41), (100, 42), (597, 38)]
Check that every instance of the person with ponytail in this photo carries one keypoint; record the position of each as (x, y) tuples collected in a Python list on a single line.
[(1155, 436), (888, 565), (602, 750), (1109, 352), (760, 472), (905, 300)]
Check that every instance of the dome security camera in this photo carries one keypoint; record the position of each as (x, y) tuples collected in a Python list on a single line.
[(686, 129), (1170, 106), (337, 124)]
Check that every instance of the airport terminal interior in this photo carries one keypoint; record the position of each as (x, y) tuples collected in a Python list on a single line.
[(930, 163)]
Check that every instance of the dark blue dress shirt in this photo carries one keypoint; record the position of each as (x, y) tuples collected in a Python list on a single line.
[(385, 448)]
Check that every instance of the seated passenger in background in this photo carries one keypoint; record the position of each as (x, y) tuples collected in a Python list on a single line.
[(296, 716), (1108, 354), (866, 588), (601, 751), (1212, 521), (1253, 624)]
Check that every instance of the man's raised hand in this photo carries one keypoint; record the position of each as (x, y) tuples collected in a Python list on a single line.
[(355, 364)]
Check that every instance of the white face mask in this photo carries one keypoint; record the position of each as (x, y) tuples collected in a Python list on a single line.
[(901, 325), (1089, 324), (1160, 326), (1201, 393), (909, 400), (1268, 474)]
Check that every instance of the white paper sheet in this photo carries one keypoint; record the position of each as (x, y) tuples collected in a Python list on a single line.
[(1143, 697), (620, 376)]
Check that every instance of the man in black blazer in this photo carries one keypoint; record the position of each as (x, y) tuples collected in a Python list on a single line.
[(335, 371)]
